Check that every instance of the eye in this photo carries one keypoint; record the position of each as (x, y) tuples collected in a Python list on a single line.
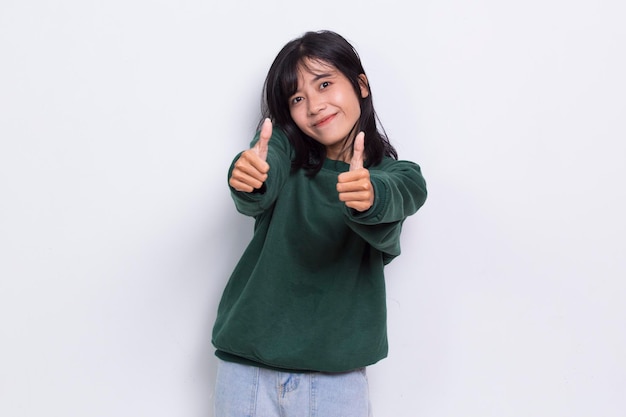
[(324, 85), (295, 100)]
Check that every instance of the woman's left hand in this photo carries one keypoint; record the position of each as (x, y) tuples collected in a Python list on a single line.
[(354, 187)]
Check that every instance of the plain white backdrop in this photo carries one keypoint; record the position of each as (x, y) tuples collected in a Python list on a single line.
[(118, 121)]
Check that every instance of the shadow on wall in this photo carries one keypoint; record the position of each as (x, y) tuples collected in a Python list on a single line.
[(224, 241)]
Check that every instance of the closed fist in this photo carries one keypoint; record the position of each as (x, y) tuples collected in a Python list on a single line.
[(250, 170), (354, 187)]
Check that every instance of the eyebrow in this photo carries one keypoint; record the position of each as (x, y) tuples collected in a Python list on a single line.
[(316, 77), (320, 76)]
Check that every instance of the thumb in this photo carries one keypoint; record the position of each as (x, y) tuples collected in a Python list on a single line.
[(260, 148), (357, 153)]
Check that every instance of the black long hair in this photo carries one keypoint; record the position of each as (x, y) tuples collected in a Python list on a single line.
[(282, 82)]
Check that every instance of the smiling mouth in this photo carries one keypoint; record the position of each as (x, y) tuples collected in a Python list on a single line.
[(324, 121)]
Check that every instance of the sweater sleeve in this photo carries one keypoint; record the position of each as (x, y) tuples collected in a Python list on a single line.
[(399, 191), (279, 156)]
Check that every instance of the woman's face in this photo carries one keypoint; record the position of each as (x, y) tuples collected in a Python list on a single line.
[(325, 105)]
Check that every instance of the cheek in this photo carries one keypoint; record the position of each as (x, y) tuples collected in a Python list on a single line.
[(354, 107), (297, 116), (350, 102)]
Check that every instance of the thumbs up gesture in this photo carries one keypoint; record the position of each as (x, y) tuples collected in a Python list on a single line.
[(354, 187), (250, 170)]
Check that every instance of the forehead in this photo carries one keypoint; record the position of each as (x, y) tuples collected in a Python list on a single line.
[(313, 66)]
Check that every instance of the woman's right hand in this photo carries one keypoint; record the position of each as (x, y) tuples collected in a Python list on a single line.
[(250, 170)]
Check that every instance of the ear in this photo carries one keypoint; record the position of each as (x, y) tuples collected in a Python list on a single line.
[(364, 86)]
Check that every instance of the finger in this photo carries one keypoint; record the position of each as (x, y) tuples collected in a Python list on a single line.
[(240, 186), (363, 185), (264, 138), (358, 205), (249, 172), (250, 162), (358, 200), (354, 176), (244, 177), (245, 184), (249, 176), (354, 196), (357, 152)]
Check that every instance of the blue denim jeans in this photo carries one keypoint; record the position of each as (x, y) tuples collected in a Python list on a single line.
[(248, 391)]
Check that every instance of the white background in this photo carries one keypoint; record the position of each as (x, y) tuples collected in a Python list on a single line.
[(118, 120)]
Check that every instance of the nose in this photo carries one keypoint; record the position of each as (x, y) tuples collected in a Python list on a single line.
[(315, 104)]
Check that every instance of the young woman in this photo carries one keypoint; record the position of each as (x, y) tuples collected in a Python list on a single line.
[(304, 311)]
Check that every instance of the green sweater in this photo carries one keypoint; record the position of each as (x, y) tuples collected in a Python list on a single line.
[(308, 293)]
